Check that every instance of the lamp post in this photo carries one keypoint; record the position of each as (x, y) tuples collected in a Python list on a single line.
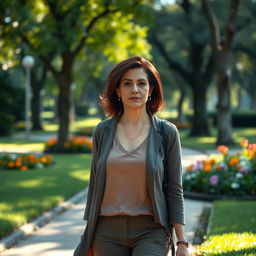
[(27, 63)]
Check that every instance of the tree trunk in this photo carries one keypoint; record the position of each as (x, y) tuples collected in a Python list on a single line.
[(222, 49), (64, 82), (224, 116), (182, 89), (182, 97), (36, 110), (200, 125), (239, 97)]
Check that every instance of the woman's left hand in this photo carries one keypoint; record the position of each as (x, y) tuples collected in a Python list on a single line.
[(182, 251)]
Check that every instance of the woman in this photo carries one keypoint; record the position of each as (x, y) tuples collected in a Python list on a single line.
[(135, 195)]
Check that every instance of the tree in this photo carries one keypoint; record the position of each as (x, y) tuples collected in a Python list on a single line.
[(8, 98), (66, 27), (185, 51), (222, 50)]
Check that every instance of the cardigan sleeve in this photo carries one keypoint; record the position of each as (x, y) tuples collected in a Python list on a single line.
[(174, 195), (95, 147)]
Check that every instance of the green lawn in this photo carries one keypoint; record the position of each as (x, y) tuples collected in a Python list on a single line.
[(25, 195), (209, 142), (20, 145), (233, 229)]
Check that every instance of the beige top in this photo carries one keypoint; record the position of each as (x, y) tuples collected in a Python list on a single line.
[(126, 191)]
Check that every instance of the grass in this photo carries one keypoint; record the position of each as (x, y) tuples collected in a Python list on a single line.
[(26, 195), (209, 142), (233, 229), (20, 145)]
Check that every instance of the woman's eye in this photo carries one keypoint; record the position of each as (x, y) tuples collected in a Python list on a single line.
[(127, 83), (142, 84)]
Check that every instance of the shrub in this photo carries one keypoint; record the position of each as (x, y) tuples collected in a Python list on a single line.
[(180, 124), (7, 123), (75, 144), (239, 119), (226, 173), (24, 162), (88, 131), (7, 104), (81, 109)]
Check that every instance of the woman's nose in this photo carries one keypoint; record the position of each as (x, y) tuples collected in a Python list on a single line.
[(135, 87)]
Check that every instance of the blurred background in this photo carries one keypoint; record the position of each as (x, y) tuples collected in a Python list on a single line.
[(55, 56)]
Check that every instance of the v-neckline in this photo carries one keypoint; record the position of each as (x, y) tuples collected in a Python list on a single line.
[(132, 151)]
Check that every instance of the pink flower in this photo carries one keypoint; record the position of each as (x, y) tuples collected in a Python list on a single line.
[(214, 180)]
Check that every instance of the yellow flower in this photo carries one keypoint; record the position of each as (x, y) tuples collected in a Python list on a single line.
[(51, 142), (43, 159), (244, 143), (190, 168)]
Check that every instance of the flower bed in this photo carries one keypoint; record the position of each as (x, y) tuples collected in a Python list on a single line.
[(75, 144), (226, 174), (24, 162)]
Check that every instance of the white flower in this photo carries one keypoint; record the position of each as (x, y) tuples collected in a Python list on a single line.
[(235, 185), (239, 175), (12, 156), (39, 165), (188, 177)]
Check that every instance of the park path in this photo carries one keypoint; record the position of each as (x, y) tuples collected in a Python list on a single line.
[(60, 236)]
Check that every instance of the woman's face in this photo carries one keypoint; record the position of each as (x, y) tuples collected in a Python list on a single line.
[(134, 88)]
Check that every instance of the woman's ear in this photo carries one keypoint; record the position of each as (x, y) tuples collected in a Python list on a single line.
[(150, 91)]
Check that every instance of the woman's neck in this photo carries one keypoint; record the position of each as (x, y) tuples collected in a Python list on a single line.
[(134, 117)]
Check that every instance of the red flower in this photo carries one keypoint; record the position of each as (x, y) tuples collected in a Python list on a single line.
[(223, 150)]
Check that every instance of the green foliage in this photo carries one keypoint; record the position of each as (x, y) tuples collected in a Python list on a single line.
[(32, 193), (59, 26), (233, 229), (7, 124), (75, 144), (7, 99), (239, 119)]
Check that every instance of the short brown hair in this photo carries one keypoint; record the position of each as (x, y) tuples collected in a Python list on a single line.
[(109, 99)]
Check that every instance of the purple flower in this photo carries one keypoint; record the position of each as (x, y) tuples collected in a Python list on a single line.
[(199, 165), (244, 170), (223, 166), (214, 180)]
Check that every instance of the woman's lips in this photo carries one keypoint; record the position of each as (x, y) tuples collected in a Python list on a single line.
[(134, 98)]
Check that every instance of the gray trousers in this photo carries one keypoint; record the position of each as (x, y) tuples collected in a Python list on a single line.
[(129, 236)]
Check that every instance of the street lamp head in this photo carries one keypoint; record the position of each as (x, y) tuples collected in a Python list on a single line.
[(28, 62)]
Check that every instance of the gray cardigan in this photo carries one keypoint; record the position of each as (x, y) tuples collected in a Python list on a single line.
[(167, 207)]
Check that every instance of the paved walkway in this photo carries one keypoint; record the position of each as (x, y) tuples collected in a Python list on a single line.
[(61, 235)]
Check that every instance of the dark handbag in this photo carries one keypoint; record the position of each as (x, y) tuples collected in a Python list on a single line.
[(165, 152)]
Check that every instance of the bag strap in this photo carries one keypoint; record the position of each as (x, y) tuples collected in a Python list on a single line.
[(165, 153)]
